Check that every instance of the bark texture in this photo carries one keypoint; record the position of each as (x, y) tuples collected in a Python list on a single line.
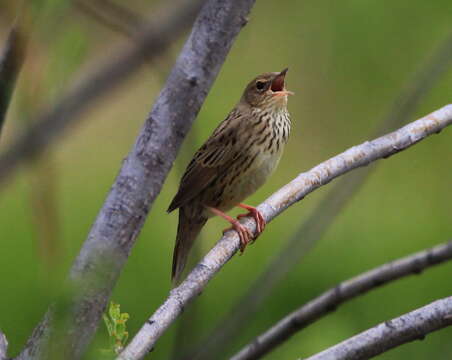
[(409, 327)]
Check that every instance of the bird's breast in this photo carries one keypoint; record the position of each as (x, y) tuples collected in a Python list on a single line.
[(260, 155)]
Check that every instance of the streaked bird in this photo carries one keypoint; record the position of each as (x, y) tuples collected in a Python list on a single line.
[(232, 164)]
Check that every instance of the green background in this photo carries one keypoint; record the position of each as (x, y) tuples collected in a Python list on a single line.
[(348, 61)]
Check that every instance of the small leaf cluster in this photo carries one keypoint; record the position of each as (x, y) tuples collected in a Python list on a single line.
[(116, 327)]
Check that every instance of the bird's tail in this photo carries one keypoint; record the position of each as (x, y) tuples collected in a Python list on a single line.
[(187, 232)]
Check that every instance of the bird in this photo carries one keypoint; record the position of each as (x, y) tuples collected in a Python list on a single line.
[(232, 164)]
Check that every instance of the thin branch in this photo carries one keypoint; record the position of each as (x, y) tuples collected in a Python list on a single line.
[(139, 181), (319, 221), (11, 59), (155, 39), (3, 347), (347, 290), (114, 16), (288, 195), (412, 326), (36, 343)]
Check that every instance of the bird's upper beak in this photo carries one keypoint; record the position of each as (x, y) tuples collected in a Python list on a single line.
[(278, 84)]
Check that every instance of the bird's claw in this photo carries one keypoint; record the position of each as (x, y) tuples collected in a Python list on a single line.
[(245, 235), (256, 215)]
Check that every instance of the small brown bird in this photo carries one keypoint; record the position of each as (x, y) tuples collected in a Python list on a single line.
[(232, 164)]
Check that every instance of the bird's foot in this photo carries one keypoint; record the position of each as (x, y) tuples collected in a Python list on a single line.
[(245, 235), (256, 215)]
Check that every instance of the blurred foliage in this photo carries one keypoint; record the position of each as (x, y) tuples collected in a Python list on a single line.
[(348, 60), (12, 55), (115, 321)]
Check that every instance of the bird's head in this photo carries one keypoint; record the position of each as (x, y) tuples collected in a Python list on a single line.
[(267, 90)]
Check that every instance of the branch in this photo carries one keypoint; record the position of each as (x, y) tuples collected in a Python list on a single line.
[(319, 221), (414, 325), (112, 15), (156, 38), (3, 347), (347, 290), (139, 181), (11, 59), (288, 195)]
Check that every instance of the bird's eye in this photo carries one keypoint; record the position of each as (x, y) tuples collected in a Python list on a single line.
[(260, 85)]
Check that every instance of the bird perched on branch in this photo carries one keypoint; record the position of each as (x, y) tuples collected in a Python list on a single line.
[(232, 164)]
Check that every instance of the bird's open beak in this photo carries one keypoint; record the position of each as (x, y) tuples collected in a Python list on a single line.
[(278, 84)]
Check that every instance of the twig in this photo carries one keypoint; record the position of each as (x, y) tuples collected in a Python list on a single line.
[(347, 290), (114, 16), (156, 38), (122, 216), (11, 59), (3, 347), (319, 221), (288, 195), (414, 325)]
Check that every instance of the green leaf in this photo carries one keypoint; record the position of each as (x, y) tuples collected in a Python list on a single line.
[(116, 327), (108, 324), (125, 317), (114, 311)]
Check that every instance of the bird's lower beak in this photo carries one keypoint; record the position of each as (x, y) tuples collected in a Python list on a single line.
[(283, 93), (278, 84)]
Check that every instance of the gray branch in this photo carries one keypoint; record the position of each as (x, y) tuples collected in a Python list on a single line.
[(288, 195), (412, 326), (140, 179), (3, 347), (48, 127), (347, 290)]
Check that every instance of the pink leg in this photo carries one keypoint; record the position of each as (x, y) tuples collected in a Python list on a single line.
[(257, 216), (245, 235)]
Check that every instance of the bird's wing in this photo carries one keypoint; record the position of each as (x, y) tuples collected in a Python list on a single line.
[(217, 153)]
